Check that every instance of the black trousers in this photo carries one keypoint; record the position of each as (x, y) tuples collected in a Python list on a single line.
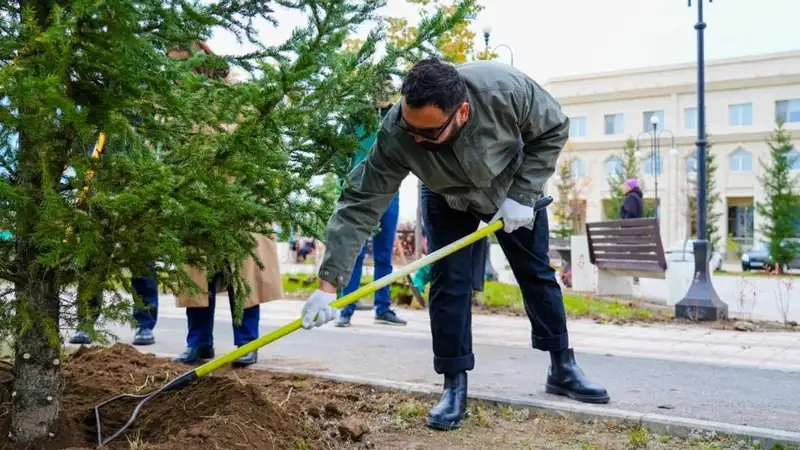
[(452, 284)]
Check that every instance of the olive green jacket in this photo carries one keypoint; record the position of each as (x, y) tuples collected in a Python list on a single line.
[(507, 148)]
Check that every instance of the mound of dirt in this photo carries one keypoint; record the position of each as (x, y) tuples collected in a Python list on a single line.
[(215, 412)]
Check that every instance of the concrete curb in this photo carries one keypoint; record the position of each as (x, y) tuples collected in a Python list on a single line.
[(656, 423)]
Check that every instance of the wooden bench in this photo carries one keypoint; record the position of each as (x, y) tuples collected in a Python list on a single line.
[(621, 249)]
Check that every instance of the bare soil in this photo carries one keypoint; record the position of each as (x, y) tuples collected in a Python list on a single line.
[(250, 409)]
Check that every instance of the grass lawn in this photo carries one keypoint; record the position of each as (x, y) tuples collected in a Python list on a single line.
[(506, 299)]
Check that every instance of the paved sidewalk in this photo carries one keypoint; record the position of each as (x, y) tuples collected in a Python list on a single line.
[(732, 377), (764, 350)]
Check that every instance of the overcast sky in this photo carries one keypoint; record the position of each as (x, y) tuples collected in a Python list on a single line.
[(571, 37)]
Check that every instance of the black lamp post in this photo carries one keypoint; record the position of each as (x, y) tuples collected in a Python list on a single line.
[(655, 153), (701, 302), (488, 31)]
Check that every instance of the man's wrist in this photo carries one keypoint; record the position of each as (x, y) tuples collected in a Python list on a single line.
[(327, 286)]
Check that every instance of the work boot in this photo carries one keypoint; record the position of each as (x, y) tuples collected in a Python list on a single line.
[(81, 337), (452, 407), (247, 360), (565, 378), (389, 318), (342, 322), (193, 355), (144, 336)]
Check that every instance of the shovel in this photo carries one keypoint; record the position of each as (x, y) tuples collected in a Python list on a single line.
[(215, 364)]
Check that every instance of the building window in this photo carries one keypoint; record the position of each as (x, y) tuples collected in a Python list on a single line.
[(652, 164), (740, 115), (614, 124), (741, 161), (647, 117), (691, 164), (794, 159), (577, 169), (690, 118), (577, 126), (614, 166), (788, 110)]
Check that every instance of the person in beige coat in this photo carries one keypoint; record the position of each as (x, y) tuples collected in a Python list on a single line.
[(265, 286)]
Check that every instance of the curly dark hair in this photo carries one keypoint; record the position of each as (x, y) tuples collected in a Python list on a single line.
[(433, 81)]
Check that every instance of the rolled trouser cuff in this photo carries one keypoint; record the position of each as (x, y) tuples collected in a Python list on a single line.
[(452, 366), (550, 343)]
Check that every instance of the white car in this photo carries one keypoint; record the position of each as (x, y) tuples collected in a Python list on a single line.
[(683, 250)]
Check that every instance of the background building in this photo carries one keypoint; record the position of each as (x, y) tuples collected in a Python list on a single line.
[(743, 98)]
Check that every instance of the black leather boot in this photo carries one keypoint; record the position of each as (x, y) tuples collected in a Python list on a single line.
[(195, 355), (451, 409), (566, 378)]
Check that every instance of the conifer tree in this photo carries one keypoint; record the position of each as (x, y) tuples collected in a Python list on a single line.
[(630, 168), (193, 166), (781, 204), (713, 199), (563, 212)]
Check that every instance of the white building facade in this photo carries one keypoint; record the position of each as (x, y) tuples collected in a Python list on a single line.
[(743, 98)]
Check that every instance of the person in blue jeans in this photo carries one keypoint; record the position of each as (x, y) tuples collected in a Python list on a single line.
[(145, 317), (145, 287), (382, 245)]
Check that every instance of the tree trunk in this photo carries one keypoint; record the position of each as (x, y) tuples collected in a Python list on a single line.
[(38, 383)]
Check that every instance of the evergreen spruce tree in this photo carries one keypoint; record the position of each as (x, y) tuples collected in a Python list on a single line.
[(193, 167), (780, 207), (631, 168), (713, 198), (563, 210)]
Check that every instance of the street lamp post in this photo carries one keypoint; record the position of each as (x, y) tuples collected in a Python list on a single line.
[(488, 31), (655, 154), (701, 302)]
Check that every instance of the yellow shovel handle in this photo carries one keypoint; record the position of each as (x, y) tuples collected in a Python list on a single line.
[(352, 297)]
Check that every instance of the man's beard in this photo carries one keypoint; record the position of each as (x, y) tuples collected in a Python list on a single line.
[(439, 146)]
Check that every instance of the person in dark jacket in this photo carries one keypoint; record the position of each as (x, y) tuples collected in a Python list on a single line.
[(484, 139), (633, 205)]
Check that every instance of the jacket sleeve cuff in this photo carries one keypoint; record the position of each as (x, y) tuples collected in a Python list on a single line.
[(522, 196), (331, 276)]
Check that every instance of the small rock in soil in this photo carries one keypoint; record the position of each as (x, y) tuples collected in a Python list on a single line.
[(199, 433), (353, 397), (366, 408), (314, 412), (353, 429), (332, 410), (744, 326)]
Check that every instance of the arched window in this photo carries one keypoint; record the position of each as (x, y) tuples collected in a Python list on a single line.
[(577, 169), (652, 164), (741, 161), (614, 165)]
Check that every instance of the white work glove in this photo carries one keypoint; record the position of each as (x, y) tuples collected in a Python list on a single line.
[(514, 215), (317, 310)]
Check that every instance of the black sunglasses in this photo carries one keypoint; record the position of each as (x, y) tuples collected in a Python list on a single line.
[(431, 134)]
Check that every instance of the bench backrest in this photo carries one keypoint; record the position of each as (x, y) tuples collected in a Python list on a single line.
[(625, 244)]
